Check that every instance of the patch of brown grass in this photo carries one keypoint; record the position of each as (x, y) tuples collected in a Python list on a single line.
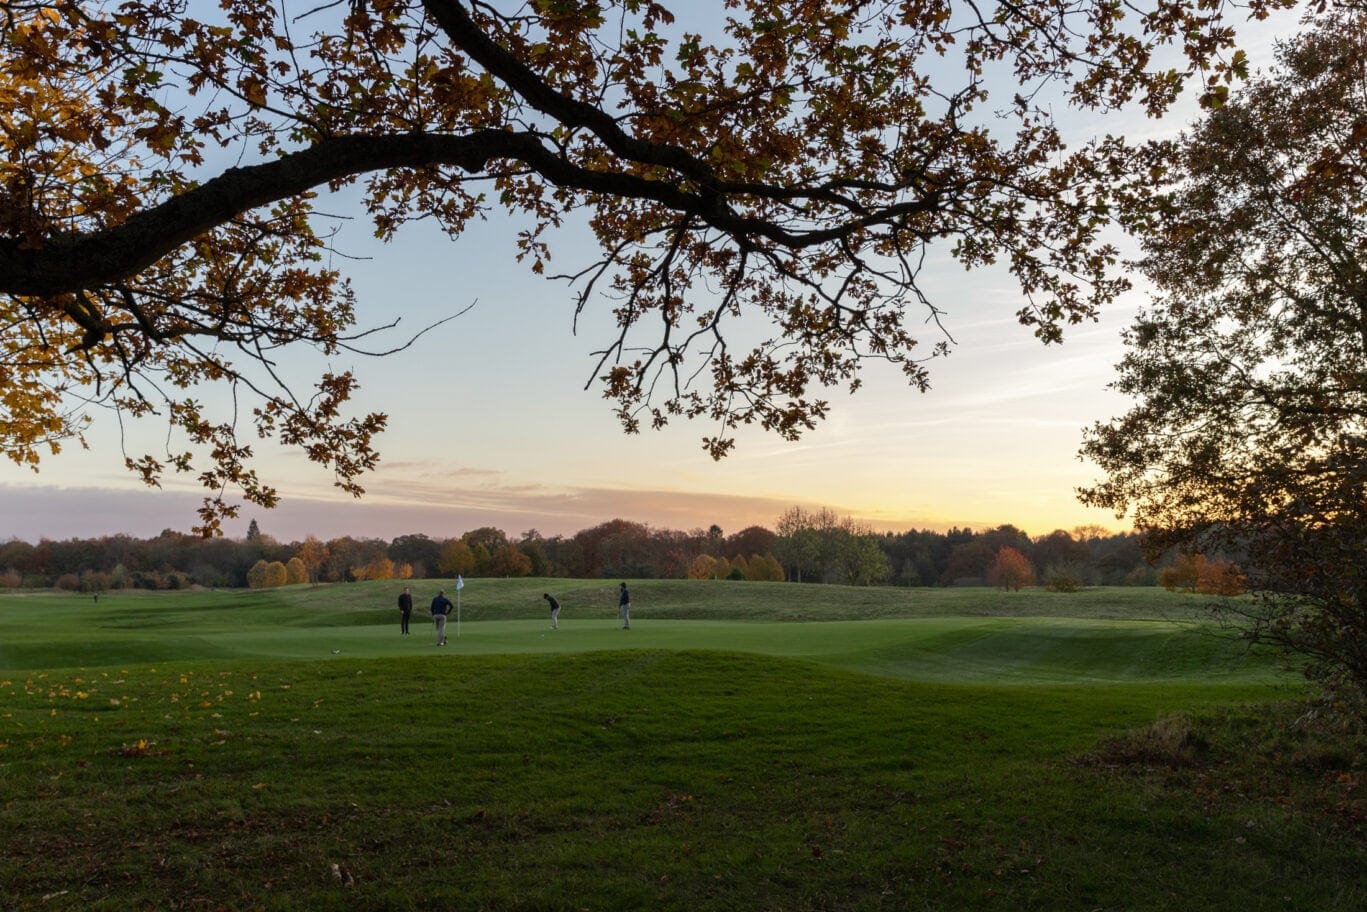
[(1172, 742)]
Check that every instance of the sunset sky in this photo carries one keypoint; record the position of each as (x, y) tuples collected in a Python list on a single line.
[(490, 423)]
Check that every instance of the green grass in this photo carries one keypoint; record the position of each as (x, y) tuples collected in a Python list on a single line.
[(212, 751), (982, 636)]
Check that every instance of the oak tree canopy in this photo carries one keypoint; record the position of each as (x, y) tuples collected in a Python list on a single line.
[(1248, 435), (164, 166)]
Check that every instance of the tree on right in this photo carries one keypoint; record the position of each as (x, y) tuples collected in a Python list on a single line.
[(1248, 436)]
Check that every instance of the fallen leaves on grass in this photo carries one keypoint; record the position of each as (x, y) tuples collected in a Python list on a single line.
[(140, 748)]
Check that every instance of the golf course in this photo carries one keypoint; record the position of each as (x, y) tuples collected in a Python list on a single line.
[(744, 745)]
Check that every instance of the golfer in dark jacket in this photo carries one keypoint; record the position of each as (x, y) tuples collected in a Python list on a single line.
[(405, 610), (555, 610), (624, 607), (441, 607)]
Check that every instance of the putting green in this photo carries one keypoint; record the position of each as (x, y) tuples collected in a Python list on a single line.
[(983, 650)]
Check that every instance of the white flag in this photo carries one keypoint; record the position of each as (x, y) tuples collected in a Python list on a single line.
[(460, 582)]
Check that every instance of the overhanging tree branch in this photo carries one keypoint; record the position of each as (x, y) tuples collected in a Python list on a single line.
[(65, 263)]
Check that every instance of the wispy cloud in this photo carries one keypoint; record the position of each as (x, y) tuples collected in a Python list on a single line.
[(35, 512)]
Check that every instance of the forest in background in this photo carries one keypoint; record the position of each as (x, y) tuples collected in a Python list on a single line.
[(804, 546)]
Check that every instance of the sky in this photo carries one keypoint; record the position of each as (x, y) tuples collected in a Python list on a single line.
[(490, 423)]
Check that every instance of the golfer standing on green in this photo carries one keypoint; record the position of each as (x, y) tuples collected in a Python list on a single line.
[(441, 607), (405, 610), (624, 607)]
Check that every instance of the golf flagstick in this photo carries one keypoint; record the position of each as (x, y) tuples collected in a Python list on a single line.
[(460, 584)]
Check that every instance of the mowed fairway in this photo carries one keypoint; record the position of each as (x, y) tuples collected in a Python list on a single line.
[(744, 746), (980, 636)]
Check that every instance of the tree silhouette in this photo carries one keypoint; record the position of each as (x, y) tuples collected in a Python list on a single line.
[(1249, 372)]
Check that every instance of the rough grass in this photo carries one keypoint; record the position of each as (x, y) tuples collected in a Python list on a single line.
[(659, 778)]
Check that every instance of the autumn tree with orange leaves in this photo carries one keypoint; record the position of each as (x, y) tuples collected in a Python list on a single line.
[(1011, 570), (164, 169)]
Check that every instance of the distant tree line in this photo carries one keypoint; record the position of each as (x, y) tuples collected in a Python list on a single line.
[(818, 546), (805, 546)]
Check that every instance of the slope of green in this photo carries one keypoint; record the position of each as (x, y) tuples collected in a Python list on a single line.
[(980, 636)]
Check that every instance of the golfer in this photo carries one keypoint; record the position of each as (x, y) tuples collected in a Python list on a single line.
[(555, 610), (624, 607), (405, 610), (441, 607)]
